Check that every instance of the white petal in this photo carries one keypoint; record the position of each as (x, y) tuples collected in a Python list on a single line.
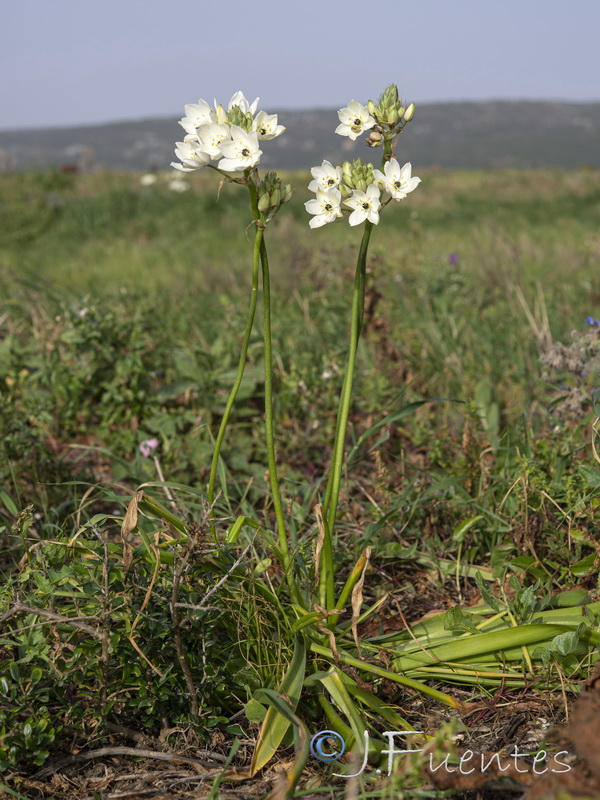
[(313, 206), (357, 217)]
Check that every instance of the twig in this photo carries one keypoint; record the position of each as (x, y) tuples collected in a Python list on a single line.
[(179, 647), (200, 607), (144, 604), (199, 764), (21, 608)]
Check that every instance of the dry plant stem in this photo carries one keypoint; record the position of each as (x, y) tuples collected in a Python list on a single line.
[(179, 646)]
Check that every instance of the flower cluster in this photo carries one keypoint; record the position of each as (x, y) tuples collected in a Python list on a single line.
[(366, 190), (359, 186), (230, 137)]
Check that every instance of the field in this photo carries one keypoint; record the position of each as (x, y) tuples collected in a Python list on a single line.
[(133, 621)]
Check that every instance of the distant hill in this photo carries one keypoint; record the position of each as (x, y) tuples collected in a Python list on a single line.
[(451, 135)]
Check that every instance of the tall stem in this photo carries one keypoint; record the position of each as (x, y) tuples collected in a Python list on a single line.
[(358, 299), (269, 425), (332, 492), (243, 353)]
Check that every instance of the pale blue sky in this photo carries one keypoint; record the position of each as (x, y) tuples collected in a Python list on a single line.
[(66, 62)]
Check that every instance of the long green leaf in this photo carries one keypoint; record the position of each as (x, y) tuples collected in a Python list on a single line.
[(280, 705), (275, 723)]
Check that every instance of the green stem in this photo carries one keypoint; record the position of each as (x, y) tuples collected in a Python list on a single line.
[(332, 492), (243, 354), (269, 425), (358, 300)]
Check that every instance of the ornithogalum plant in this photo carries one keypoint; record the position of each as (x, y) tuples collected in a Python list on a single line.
[(232, 138), (489, 645)]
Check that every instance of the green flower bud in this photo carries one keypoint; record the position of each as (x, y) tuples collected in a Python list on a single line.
[(361, 185), (287, 193), (393, 116), (237, 117), (275, 198), (264, 203), (372, 108), (410, 112), (390, 96)]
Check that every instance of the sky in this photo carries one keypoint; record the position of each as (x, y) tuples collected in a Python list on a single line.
[(71, 62)]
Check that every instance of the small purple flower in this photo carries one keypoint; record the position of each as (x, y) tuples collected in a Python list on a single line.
[(592, 321), (148, 446), (453, 259)]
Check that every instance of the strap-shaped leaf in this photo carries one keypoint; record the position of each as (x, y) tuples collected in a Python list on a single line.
[(276, 723)]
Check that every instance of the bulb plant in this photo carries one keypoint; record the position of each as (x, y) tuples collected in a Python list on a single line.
[(228, 141)]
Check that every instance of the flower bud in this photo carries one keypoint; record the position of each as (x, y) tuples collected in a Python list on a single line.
[(361, 185), (287, 193), (393, 116), (347, 172), (372, 108), (410, 112), (275, 198), (390, 96), (221, 115), (264, 203)]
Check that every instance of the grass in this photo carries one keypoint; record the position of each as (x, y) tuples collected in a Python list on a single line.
[(471, 474)]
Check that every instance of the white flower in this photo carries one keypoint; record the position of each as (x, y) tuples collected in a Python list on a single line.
[(239, 152), (239, 100), (178, 185), (325, 177), (148, 179), (192, 156), (354, 120), (365, 204), (326, 207), (211, 137), (397, 180), (197, 114), (266, 125)]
